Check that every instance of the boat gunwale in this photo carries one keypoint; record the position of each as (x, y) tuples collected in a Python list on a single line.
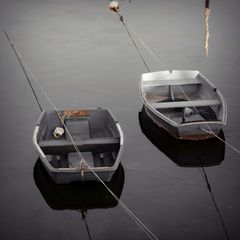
[(77, 170), (173, 123)]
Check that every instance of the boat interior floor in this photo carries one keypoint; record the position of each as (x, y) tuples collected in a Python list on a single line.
[(72, 160), (152, 98), (187, 114), (199, 114), (98, 146), (79, 129)]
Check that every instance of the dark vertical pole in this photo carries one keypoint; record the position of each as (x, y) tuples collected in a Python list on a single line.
[(207, 2)]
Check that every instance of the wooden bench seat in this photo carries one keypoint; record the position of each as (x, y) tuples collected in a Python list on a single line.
[(171, 82), (183, 104), (63, 146)]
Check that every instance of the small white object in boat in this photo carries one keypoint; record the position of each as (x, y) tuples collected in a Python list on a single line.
[(188, 112), (58, 132)]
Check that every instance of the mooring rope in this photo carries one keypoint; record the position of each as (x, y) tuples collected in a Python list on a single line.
[(207, 125), (228, 144), (24, 71), (134, 43), (84, 214), (148, 49), (141, 225), (146, 46), (25, 65), (205, 175)]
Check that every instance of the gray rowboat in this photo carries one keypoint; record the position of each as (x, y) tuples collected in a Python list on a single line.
[(96, 134), (184, 103)]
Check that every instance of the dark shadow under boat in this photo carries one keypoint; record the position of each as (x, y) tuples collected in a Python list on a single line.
[(78, 195), (184, 153)]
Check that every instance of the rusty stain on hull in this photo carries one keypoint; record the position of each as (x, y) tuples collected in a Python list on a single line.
[(76, 113)]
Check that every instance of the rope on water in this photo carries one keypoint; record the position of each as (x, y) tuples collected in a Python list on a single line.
[(158, 60), (134, 43), (24, 67), (84, 214), (205, 175), (141, 225), (24, 71), (146, 46), (215, 135), (209, 131)]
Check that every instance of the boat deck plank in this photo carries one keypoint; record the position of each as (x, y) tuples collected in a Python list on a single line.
[(64, 145), (171, 82), (182, 104)]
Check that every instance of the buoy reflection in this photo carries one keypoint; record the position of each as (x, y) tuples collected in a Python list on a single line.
[(207, 15)]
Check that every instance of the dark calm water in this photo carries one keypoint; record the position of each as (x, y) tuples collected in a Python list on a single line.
[(84, 58)]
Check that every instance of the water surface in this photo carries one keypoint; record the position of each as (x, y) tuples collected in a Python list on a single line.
[(83, 57)]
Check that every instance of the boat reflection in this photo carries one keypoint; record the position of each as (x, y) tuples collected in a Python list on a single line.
[(184, 153), (79, 195)]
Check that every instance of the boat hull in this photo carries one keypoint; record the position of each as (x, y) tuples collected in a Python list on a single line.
[(184, 103), (100, 147), (187, 132), (184, 153), (63, 177)]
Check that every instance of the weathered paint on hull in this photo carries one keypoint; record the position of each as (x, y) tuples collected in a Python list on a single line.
[(188, 132)]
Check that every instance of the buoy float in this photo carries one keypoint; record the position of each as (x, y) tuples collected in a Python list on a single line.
[(58, 132), (114, 6)]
